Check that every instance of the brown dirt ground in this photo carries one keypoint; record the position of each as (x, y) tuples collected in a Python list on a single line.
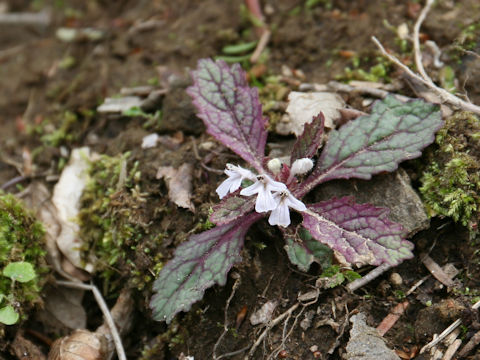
[(36, 89)]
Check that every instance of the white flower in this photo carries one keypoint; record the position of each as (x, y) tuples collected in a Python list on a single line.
[(281, 214), (236, 174), (301, 166), (264, 187)]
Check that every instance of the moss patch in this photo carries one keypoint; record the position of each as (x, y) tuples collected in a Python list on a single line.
[(21, 243), (451, 184), (114, 224)]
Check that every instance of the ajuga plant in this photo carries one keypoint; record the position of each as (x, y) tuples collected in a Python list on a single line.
[(362, 233)]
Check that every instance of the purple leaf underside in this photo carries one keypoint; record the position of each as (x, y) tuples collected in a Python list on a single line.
[(395, 131), (308, 143), (230, 109), (201, 262), (362, 233), (231, 208)]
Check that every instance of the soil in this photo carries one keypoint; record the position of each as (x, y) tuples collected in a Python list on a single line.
[(44, 79)]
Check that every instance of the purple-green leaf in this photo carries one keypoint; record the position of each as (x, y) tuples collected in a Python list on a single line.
[(308, 143), (395, 131), (231, 208), (362, 233), (230, 109), (302, 249), (201, 262)]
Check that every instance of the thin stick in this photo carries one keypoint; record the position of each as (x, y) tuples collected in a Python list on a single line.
[(380, 93), (262, 43), (446, 332), (36, 19), (416, 41), (106, 313), (442, 93), (472, 343), (225, 319), (390, 320), (437, 271), (452, 349), (274, 322), (379, 270)]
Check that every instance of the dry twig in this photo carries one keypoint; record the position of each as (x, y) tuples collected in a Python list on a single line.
[(436, 271), (442, 93), (471, 344), (379, 270), (225, 320), (392, 318), (42, 19), (262, 43), (270, 325), (416, 41), (447, 331), (105, 311)]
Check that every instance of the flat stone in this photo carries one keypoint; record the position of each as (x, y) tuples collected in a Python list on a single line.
[(365, 343)]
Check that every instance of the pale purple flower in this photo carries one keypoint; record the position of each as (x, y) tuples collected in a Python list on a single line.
[(264, 187), (236, 174), (281, 214)]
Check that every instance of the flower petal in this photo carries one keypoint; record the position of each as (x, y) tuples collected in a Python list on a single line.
[(223, 188), (252, 189), (236, 182), (294, 203), (265, 201), (280, 215)]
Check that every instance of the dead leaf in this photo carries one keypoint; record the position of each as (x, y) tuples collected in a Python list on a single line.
[(38, 198), (66, 198), (179, 183), (303, 107), (80, 345), (63, 309)]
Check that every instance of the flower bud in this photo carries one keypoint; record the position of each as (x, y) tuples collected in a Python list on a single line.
[(274, 165), (301, 166)]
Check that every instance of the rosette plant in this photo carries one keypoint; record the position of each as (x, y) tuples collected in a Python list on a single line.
[(362, 233)]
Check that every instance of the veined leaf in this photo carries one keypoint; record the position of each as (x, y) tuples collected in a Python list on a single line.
[(308, 143), (230, 109), (362, 233), (395, 131), (201, 262), (231, 208), (302, 249)]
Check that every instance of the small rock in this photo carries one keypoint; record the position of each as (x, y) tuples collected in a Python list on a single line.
[(264, 314), (396, 279), (306, 323), (365, 343), (149, 141)]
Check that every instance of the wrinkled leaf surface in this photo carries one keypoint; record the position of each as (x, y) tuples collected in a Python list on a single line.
[(302, 250), (395, 131), (308, 143), (201, 262), (362, 233), (230, 109), (231, 208)]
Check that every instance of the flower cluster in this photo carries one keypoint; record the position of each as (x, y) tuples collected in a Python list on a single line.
[(271, 195)]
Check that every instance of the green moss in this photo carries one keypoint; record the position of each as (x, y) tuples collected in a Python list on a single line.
[(21, 240), (113, 226), (451, 184), (379, 71)]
